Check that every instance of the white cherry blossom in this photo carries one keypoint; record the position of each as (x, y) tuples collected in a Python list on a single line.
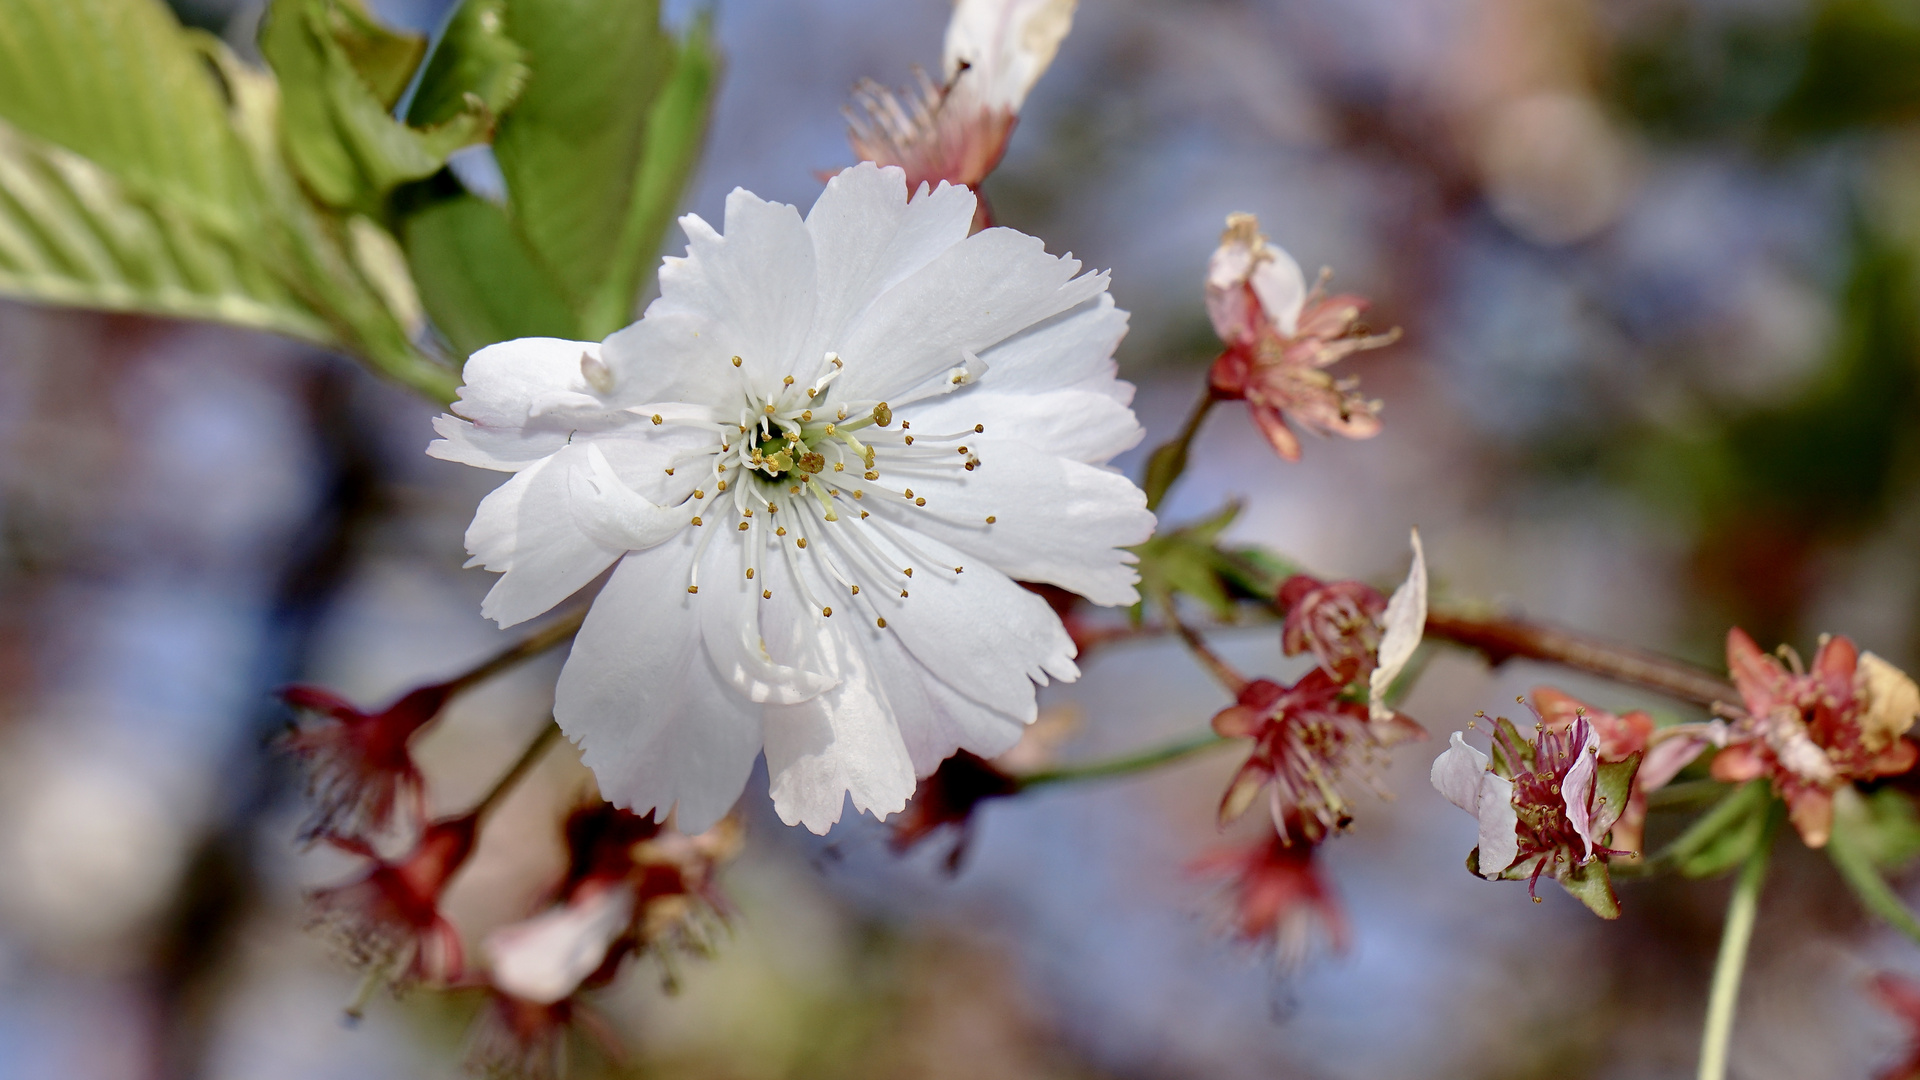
[(818, 467)]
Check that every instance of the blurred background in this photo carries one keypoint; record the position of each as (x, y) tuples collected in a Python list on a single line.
[(1655, 261)]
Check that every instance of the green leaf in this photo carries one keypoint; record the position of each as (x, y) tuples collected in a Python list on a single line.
[(1850, 848), (477, 278), (1882, 826), (587, 190), (120, 83), (1591, 884), (384, 58), (72, 233), (475, 56), (1257, 573), (1185, 560), (1169, 460), (1612, 782), (344, 143)]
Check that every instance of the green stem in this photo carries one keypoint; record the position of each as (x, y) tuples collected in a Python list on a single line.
[(1126, 765), (555, 633), (1169, 459), (1732, 962), (518, 770)]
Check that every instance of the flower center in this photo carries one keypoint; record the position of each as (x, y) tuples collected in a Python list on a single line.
[(799, 473)]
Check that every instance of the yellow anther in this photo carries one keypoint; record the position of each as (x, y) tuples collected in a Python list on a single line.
[(905, 424), (909, 571), (772, 509), (857, 493), (957, 569), (881, 623), (810, 393), (839, 466), (723, 484), (802, 542), (736, 361), (856, 590), (990, 519), (657, 419), (864, 515), (769, 410), (743, 526), (909, 438), (903, 594), (909, 493), (781, 531), (920, 501), (788, 381), (693, 588), (749, 573), (830, 430), (882, 415), (699, 493), (962, 450), (747, 513), (870, 475), (696, 520), (979, 428), (669, 472), (834, 359), (807, 417), (766, 594), (827, 611)]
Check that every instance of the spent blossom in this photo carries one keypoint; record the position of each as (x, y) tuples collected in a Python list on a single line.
[(1330, 723), (359, 771), (1278, 896), (1280, 338), (957, 131), (388, 921), (947, 800), (1545, 806), (631, 885), (1812, 731), (817, 467), (1619, 737)]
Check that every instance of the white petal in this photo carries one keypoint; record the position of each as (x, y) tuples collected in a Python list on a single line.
[(521, 401), (976, 294), (1577, 790), (1007, 45), (1071, 351), (842, 743), (1282, 289), (867, 238), (1406, 621), (1078, 425), (544, 959), (1499, 826), (504, 449), (527, 532), (504, 381), (976, 631), (1055, 521), (654, 721), (763, 649), (613, 514), (749, 293), (1456, 774)]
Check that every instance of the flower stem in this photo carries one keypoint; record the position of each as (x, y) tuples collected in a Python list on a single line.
[(518, 770), (1125, 765), (554, 633), (1169, 459), (1734, 939), (1217, 666), (1500, 640)]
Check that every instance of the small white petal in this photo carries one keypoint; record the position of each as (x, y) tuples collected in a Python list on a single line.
[(1499, 826), (842, 743), (1006, 45), (544, 959), (1405, 621), (1456, 774), (1577, 790), (526, 532)]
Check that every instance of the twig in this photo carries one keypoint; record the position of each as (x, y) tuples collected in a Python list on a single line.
[(1500, 640)]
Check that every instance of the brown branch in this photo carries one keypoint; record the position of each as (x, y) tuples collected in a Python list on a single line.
[(1500, 640)]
